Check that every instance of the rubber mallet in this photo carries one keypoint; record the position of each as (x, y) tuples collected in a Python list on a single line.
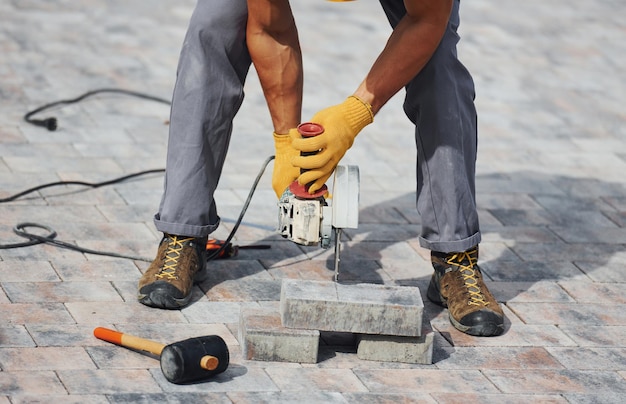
[(191, 360)]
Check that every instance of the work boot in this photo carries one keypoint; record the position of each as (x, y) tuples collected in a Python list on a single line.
[(179, 262), (457, 284)]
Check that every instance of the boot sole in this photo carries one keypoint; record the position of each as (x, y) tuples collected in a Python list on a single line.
[(162, 299)]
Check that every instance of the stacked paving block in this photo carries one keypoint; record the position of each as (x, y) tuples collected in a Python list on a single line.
[(387, 321)]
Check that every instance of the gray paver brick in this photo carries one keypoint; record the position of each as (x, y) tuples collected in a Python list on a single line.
[(263, 337), (358, 308), (384, 348)]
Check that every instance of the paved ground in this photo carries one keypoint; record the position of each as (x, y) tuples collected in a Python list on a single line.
[(551, 191)]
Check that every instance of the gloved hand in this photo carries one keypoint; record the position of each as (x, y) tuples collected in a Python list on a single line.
[(284, 172), (341, 125)]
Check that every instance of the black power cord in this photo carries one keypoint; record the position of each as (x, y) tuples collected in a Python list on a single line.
[(51, 124)]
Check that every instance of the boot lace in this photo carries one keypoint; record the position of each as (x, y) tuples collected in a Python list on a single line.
[(466, 262), (172, 255)]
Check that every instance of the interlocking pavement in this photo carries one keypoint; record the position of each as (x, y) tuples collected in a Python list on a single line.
[(551, 184)]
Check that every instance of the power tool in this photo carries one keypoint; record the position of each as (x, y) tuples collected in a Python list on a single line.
[(318, 219)]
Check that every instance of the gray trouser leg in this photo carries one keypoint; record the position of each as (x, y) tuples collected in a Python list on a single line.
[(440, 101), (212, 68)]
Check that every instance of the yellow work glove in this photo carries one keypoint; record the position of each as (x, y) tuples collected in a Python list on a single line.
[(341, 125), (284, 172)]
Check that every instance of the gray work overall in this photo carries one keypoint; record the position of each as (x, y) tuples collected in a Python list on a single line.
[(213, 65)]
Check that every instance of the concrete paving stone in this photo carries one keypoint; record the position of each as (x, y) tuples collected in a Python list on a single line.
[(39, 252), (537, 292), (116, 357), (135, 213), (174, 398), (211, 312), (30, 382), (359, 308), (356, 270), (583, 187), (120, 312), (599, 293), (43, 313), (108, 381), (385, 348), (565, 218), (139, 249), (75, 270), (104, 231), (515, 335), (518, 234), (34, 292), (596, 336), (64, 398), (506, 201), (236, 378), (242, 290), (590, 358), (81, 195), (525, 184), (385, 213), (377, 232), (14, 337), (605, 398), (617, 202), (599, 254), (27, 149), (564, 313), (529, 271), (454, 398), (143, 195), (605, 235), (217, 398), (498, 357), (619, 218), (235, 269), (496, 251), (560, 203), (377, 250), (262, 337), (65, 335), (27, 271), (13, 214), (33, 164), (388, 398), (168, 333), (557, 381), (45, 358), (313, 379), (403, 272), (286, 397), (607, 271), (305, 269), (424, 381)]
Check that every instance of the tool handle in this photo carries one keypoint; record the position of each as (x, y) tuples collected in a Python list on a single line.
[(128, 341)]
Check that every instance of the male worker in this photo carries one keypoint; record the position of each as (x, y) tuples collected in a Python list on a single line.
[(223, 38)]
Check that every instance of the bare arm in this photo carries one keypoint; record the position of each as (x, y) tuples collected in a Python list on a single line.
[(273, 43), (409, 48)]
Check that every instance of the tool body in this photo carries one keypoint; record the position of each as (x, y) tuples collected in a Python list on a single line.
[(313, 219), (187, 361)]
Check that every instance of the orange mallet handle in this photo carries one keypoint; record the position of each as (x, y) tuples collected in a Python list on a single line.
[(128, 341)]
